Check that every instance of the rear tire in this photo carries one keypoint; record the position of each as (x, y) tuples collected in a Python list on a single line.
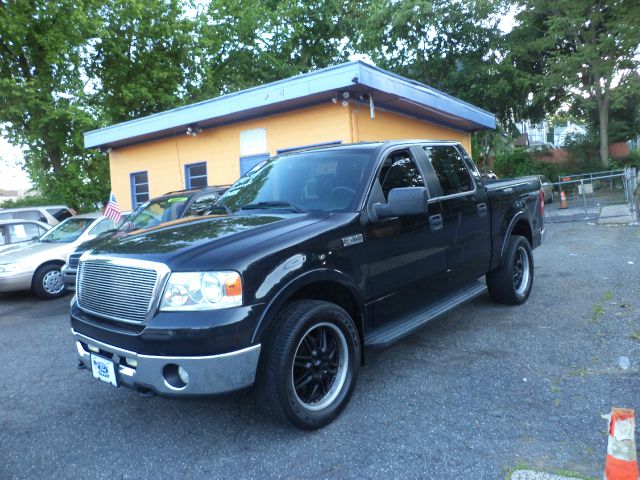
[(47, 282), (511, 282), (310, 364)]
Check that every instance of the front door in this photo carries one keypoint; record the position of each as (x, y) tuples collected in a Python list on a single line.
[(406, 257)]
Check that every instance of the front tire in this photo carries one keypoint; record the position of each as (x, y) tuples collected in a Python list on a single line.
[(511, 282), (310, 364), (47, 282)]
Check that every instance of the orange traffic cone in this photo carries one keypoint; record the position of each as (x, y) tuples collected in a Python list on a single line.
[(622, 463), (563, 200)]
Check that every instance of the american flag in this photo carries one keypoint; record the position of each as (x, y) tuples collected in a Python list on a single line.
[(112, 210)]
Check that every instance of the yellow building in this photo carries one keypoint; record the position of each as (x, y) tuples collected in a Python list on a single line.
[(215, 141)]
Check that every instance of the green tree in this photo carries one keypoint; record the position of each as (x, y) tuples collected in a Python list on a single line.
[(242, 44), (574, 48), (142, 59), (454, 46), (43, 46), (67, 67), (624, 111)]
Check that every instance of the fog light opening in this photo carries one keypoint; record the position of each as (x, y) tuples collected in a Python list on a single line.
[(175, 377)]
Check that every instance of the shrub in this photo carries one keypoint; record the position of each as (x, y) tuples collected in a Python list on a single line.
[(515, 163)]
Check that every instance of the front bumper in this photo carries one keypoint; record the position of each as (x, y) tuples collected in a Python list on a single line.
[(13, 282), (208, 375), (69, 277)]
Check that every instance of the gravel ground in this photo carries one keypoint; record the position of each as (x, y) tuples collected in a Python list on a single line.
[(477, 394)]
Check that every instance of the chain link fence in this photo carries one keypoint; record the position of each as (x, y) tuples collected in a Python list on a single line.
[(594, 197)]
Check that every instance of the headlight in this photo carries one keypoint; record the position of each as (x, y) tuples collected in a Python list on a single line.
[(202, 291), (15, 267)]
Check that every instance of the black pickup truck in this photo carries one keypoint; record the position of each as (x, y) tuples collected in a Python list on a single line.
[(304, 263)]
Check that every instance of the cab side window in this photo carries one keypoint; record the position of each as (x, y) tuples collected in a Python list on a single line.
[(450, 169), (399, 170)]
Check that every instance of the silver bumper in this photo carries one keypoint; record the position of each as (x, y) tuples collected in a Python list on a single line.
[(13, 282), (207, 375)]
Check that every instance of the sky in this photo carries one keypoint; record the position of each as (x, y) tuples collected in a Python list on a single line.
[(11, 175)]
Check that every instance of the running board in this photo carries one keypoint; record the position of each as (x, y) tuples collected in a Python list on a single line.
[(386, 335)]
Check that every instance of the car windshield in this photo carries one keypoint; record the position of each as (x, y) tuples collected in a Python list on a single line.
[(327, 181), (67, 231), (154, 212)]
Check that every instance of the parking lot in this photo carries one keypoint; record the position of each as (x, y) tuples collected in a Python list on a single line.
[(474, 395)]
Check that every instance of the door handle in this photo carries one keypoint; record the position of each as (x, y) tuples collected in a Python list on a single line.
[(482, 209), (435, 222)]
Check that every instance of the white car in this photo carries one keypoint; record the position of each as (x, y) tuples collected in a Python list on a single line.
[(36, 265)]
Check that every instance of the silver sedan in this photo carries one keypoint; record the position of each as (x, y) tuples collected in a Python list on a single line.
[(36, 266)]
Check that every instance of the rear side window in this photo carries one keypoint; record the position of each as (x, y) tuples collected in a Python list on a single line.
[(399, 171), (450, 169), (22, 232), (59, 214), (29, 215)]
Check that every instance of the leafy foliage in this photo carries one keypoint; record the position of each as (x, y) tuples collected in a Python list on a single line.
[(576, 48), (141, 60), (43, 47), (453, 46)]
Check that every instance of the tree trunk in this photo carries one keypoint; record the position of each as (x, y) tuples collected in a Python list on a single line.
[(603, 116)]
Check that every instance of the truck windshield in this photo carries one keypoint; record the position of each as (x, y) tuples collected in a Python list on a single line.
[(67, 231), (327, 181), (155, 212)]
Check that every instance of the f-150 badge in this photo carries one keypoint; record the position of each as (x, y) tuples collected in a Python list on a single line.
[(352, 240)]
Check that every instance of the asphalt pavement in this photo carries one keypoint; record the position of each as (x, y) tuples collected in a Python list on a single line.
[(482, 392)]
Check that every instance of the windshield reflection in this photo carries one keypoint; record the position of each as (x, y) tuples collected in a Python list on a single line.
[(67, 231), (321, 181)]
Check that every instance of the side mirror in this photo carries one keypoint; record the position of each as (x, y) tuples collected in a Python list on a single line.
[(401, 202)]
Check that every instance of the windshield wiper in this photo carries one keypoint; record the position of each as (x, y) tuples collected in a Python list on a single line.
[(272, 204)]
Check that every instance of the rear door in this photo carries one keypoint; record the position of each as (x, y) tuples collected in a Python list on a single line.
[(465, 214)]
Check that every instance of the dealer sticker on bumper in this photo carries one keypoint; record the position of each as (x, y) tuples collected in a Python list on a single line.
[(104, 370)]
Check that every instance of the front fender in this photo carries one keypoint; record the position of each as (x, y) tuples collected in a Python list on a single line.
[(274, 306)]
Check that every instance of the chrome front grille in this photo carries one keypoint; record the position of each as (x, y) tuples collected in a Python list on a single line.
[(119, 289), (74, 258)]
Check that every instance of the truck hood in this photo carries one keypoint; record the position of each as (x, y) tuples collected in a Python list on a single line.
[(183, 241)]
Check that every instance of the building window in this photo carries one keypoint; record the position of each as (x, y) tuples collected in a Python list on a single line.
[(139, 188), (249, 161), (196, 175)]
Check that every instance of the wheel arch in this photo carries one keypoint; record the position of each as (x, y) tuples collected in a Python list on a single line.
[(57, 262), (519, 226), (327, 285)]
